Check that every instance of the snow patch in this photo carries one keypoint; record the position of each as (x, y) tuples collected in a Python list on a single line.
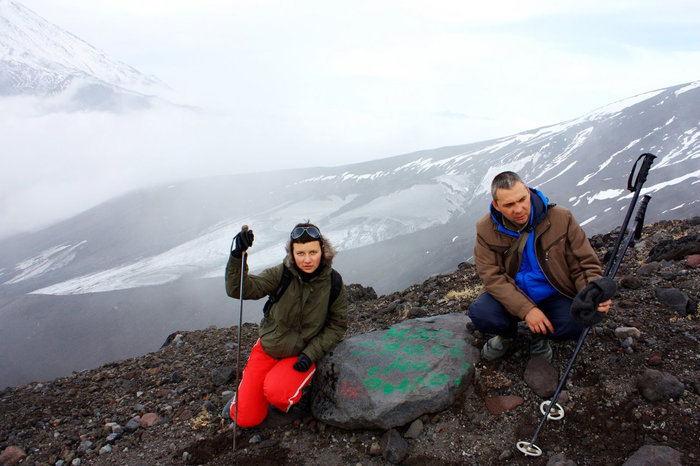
[(588, 220), (607, 194), (687, 88), (50, 259)]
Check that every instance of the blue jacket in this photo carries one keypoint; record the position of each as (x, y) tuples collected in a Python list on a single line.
[(530, 277)]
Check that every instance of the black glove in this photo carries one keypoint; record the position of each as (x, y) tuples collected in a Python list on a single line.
[(302, 364), (584, 308), (242, 241)]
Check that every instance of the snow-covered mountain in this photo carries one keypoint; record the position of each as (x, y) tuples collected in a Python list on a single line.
[(395, 220), (38, 58), (114, 281)]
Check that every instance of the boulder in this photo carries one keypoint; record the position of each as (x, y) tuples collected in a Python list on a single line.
[(541, 377), (12, 455), (386, 379), (657, 386), (675, 249), (654, 455), (676, 300)]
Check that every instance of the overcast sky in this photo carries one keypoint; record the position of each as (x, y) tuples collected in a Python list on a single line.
[(304, 83)]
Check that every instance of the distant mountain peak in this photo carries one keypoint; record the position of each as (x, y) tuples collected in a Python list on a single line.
[(41, 59)]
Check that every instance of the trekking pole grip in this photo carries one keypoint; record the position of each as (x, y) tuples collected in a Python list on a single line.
[(244, 254), (643, 171), (641, 213)]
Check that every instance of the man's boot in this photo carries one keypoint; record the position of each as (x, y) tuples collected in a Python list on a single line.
[(496, 347), (540, 347)]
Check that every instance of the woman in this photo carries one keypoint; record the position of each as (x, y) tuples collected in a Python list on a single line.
[(296, 331)]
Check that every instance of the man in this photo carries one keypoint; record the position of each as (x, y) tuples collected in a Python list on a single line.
[(533, 258)]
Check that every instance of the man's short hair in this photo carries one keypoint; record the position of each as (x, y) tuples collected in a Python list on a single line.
[(504, 180)]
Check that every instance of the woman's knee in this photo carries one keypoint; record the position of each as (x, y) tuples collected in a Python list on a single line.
[(249, 417), (284, 384)]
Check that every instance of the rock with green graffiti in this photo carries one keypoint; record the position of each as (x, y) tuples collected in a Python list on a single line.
[(388, 378)]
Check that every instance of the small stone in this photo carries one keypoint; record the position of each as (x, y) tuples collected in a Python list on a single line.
[(86, 445), (627, 332), (631, 283), (133, 424), (502, 404), (12, 455), (505, 455), (394, 447), (149, 420), (255, 439), (375, 449), (655, 359), (106, 449), (694, 260), (414, 430), (649, 269)]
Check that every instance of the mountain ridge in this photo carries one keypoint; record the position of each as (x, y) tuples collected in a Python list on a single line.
[(188, 225)]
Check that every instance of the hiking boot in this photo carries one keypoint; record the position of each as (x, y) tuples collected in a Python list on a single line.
[(226, 412), (540, 347), (496, 347)]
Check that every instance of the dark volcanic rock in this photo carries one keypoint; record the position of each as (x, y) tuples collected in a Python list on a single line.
[(675, 249), (656, 386), (394, 447), (386, 379), (676, 299), (650, 455), (541, 377)]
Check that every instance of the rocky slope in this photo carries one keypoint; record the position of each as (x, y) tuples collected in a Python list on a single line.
[(627, 389)]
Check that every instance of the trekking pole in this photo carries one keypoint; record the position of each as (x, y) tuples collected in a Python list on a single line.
[(636, 189), (244, 256), (550, 409)]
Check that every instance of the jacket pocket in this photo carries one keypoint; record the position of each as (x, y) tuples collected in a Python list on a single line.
[(554, 247)]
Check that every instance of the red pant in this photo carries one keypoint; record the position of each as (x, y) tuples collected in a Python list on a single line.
[(266, 381)]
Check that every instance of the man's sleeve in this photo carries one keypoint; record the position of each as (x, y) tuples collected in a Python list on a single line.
[(586, 266)]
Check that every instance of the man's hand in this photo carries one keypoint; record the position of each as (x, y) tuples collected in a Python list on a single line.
[(538, 322), (604, 307)]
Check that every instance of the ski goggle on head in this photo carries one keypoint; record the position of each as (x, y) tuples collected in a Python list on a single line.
[(311, 231)]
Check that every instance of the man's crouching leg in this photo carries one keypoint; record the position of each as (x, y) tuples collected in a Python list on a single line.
[(490, 317)]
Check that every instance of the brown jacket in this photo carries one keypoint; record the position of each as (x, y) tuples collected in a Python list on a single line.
[(563, 252)]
